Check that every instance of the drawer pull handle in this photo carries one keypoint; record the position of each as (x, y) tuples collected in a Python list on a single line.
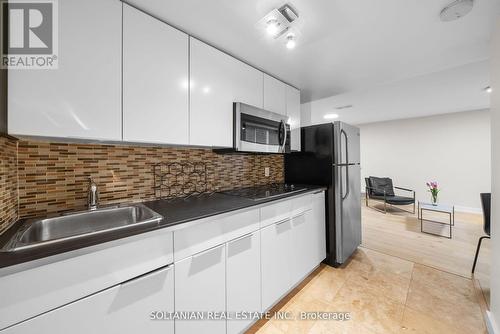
[(146, 275), (242, 237)]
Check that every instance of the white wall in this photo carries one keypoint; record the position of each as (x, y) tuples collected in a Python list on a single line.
[(453, 149), (495, 185)]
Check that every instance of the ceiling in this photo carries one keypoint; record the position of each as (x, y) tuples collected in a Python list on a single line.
[(344, 45), (453, 90)]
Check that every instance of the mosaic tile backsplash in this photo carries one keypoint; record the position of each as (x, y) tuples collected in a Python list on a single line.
[(8, 182), (53, 177)]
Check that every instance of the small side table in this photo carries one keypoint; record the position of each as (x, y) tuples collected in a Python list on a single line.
[(444, 208)]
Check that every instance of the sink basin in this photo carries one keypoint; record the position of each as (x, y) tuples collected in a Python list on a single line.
[(38, 232)]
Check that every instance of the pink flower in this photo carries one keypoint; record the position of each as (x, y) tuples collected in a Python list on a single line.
[(432, 185)]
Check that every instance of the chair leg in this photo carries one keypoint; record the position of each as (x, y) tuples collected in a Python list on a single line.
[(385, 207), (477, 251)]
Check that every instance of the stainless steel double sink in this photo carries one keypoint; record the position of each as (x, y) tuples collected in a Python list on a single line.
[(37, 232)]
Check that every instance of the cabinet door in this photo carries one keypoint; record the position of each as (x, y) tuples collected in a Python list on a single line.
[(318, 215), (200, 286), (274, 95), (303, 248), (216, 81), (293, 113), (275, 262), (82, 98), (243, 279), (155, 76), (122, 309)]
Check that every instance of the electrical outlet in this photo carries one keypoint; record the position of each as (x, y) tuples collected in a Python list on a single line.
[(266, 171)]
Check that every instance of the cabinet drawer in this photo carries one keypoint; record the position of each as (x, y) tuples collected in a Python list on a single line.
[(301, 204), (124, 308), (276, 212), (214, 232), (81, 273)]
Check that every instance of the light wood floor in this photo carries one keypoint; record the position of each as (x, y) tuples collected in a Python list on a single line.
[(382, 294), (398, 234)]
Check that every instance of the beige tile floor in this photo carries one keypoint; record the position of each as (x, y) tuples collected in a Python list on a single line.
[(398, 233), (383, 294)]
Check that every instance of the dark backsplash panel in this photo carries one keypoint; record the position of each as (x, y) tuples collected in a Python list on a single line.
[(53, 177), (8, 182)]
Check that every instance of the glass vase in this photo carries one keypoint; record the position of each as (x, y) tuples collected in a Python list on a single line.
[(434, 199)]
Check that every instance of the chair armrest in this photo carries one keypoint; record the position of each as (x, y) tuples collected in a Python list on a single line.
[(405, 189)]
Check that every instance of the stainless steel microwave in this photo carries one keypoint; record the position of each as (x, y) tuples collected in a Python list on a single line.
[(259, 130)]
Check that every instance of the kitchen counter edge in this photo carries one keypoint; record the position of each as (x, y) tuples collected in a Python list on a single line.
[(213, 205)]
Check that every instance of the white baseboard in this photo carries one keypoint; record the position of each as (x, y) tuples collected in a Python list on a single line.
[(467, 209), (491, 324)]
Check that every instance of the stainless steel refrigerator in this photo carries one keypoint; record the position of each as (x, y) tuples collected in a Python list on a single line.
[(330, 156)]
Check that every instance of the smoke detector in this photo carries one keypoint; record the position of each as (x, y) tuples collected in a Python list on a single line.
[(456, 10)]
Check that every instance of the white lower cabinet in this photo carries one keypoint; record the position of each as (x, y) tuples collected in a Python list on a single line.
[(303, 248), (225, 265), (308, 238), (318, 216), (122, 309), (200, 286), (243, 281), (275, 262)]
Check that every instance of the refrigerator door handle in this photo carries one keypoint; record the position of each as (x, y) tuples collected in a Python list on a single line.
[(342, 132)]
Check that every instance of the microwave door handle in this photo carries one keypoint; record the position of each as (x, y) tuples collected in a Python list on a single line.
[(284, 136)]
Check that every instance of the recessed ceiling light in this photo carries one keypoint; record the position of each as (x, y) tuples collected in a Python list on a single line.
[(331, 116), (488, 89), (272, 27), (290, 41), (344, 107)]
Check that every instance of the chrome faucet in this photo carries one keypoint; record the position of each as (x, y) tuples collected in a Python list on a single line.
[(93, 196)]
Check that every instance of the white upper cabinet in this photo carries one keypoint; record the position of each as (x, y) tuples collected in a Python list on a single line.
[(293, 112), (155, 80), (82, 98), (216, 81), (274, 95)]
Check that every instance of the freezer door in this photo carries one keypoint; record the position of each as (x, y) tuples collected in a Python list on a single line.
[(347, 210), (347, 143)]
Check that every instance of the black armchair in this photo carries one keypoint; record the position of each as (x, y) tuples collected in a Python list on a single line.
[(382, 189), (486, 204)]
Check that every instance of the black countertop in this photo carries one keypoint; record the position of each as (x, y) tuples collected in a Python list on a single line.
[(175, 212)]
